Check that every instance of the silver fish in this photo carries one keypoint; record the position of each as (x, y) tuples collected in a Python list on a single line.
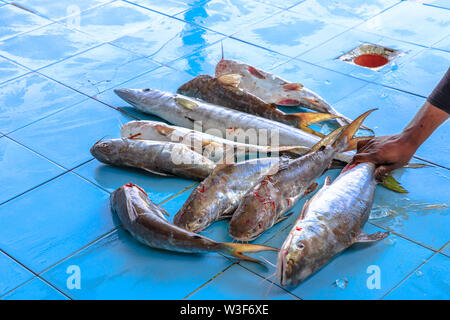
[(219, 194), (163, 158), (184, 111), (330, 222), (146, 222), (264, 205)]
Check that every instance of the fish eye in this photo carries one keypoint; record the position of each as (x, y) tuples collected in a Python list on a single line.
[(146, 90), (300, 245), (199, 220), (259, 225)]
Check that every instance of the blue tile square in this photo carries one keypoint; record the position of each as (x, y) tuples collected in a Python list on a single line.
[(327, 54), (111, 21), (283, 4), (110, 178), (237, 283), (395, 111), (412, 22), (67, 136), (63, 223), (430, 282), (169, 7), (299, 33), (204, 61), (439, 3), (423, 214), (168, 39), (419, 74), (347, 13), (59, 9), (47, 45), (331, 86), (30, 98), (119, 267), (36, 289), (228, 16), (14, 21), (99, 69), (443, 44), (22, 169), (13, 274), (394, 256), (10, 70)]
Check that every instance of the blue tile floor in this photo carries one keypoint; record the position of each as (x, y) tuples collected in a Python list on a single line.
[(59, 64)]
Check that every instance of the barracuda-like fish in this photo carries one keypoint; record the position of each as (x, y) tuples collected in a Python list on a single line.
[(220, 121), (214, 148), (330, 222), (273, 89), (264, 204), (163, 158), (146, 222), (218, 196), (224, 91)]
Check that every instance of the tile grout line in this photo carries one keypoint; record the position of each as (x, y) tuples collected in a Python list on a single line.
[(413, 271)]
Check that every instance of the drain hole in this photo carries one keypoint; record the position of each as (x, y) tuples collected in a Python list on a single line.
[(371, 60)]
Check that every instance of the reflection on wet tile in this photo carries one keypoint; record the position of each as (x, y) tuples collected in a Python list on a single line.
[(281, 3), (204, 61), (112, 21), (31, 98), (52, 232), (110, 178), (9, 70), (170, 7), (99, 69), (32, 49), (36, 289), (130, 270), (228, 16), (13, 274), (347, 13), (411, 22), (67, 136), (59, 9), (421, 73), (430, 282), (237, 283), (394, 262), (168, 39), (299, 33), (326, 55), (14, 21), (22, 169)]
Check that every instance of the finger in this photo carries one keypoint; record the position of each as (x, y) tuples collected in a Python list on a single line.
[(384, 170), (363, 157), (361, 144)]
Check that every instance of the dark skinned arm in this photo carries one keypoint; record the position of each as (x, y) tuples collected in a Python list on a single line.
[(395, 151)]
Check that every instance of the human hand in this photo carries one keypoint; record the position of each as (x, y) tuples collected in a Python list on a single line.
[(386, 152)]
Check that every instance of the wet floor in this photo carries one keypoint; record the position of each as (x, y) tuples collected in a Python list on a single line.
[(59, 63)]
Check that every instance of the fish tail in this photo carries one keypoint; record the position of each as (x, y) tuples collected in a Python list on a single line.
[(237, 250), (305, 119), (346, 140)]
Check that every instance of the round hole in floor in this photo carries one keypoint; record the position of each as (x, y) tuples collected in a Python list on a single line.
[(371, 60)]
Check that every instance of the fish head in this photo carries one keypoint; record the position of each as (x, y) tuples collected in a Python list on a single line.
[(107, 151), (302, 253), (193, 216)]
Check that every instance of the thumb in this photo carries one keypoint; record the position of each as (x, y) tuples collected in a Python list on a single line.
[(384, 170), (362, 143), (362, 157)]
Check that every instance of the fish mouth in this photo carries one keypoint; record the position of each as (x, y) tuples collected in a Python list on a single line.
[(129, 95)]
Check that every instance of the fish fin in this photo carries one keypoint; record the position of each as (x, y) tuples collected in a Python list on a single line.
[(302, 213), (311, 188), (231, 79), (346, 141), (237, 250), (416, 165), (364, 237), (157, 173), (305, 119), (163, 130), (390, 183), (328, 139), (354, 142), (327, 181), (292, 86), (185, 103), (284, 217), (288, 102)]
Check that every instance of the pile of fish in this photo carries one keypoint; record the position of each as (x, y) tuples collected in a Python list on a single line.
[(254, 163)]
